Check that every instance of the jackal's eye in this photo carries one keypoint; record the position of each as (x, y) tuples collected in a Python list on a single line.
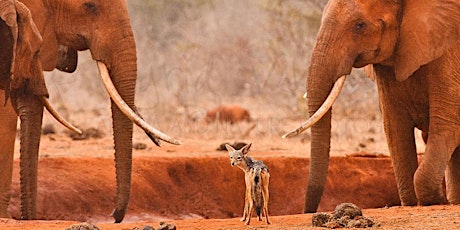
[(239, 158), (36, 54), (360, 26)]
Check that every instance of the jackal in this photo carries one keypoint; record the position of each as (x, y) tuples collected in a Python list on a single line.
[(257, 178)]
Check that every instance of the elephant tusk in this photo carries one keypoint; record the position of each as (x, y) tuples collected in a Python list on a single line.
[(321, 111), (58, 117), (133, 116)]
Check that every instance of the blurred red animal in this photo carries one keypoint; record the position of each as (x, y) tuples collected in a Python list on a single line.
[(228, 113)]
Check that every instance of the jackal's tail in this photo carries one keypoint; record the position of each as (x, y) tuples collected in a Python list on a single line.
[(257, 195)]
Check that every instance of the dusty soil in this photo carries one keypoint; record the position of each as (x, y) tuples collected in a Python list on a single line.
[(194, 187)]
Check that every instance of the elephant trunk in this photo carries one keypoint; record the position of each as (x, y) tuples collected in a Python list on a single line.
[(117, 63), (121, 62), (323, 72), (320, 141), (30, 111), (123, 135)]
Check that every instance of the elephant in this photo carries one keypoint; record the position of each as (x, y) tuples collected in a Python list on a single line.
[(22, 81), (103, 27), (412, 49)]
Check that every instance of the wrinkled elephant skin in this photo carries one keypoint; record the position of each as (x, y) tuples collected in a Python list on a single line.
[(69, 26), (411, 48), (22, 86), (6, 159)]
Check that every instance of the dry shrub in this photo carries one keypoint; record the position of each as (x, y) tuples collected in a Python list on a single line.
[(194, 55)]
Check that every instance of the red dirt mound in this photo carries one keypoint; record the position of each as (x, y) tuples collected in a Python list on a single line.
[(83, 189)]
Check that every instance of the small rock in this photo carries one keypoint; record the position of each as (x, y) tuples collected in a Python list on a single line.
[(347, 209), (166, 226), (345, 215), (48, 129), (83, 226), (139, 146), (320, 219), (146, 227), (343, 221), (77, 136), (94, 133), (88, 133), (333, 224), (362, 222)]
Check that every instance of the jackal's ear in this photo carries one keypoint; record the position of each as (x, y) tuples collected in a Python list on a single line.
[(229, 148), (246, 148)]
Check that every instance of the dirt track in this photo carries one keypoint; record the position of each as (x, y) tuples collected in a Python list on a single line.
[(192, 187), (207, 192), (434, 217)]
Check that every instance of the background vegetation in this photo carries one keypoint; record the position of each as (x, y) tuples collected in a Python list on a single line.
[(196, 54)]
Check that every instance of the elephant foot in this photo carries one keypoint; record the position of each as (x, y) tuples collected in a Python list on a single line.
[(453, 194), (409, 202), (428, 183), (118, 215), (3, 209), (430, 195), (432, 200), (4, 214), (455, 201)]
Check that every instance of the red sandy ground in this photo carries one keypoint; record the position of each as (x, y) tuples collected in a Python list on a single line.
[(194, 187)]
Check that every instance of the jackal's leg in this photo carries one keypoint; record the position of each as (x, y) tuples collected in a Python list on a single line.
[(266, 215), (247, 200), (245, 210), (266, 196), (250, 211), (261, 213)]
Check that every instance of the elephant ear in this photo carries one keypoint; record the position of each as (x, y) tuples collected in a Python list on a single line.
[(46, 23), (428, 29), (67, 59), (27, 74), (9, 35)]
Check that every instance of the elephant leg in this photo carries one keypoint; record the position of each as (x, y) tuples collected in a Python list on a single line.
[(430, 174), (30, 111), (442, 159), (453, 178), (441, 155), (6, 163), (8, 122), (401, 143)]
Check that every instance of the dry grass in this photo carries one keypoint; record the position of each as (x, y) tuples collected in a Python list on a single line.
[(194, 55)]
